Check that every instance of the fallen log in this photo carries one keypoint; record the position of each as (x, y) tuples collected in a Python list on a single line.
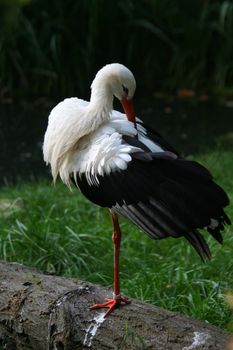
[(45, 312)]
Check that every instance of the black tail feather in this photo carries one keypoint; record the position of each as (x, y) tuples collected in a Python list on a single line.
[(216, 234), (200, 245)]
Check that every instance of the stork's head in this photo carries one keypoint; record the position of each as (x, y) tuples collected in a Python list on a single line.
[(121, 83)]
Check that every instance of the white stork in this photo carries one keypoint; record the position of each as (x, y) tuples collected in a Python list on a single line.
[(118, 162)]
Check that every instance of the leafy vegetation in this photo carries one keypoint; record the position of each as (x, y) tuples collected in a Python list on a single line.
[(60, 232), (54, 48)]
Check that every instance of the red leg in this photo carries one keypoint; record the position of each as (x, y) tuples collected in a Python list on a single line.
[(111, 304)]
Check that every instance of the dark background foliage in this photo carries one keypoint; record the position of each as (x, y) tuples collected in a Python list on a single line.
[(53, 48)]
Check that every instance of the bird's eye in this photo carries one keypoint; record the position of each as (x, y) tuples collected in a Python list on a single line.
[(125, 89)]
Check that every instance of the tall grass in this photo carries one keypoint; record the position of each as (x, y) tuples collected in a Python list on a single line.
[(60, 232), (53, 48)]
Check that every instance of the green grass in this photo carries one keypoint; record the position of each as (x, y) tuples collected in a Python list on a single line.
[(58, 231)]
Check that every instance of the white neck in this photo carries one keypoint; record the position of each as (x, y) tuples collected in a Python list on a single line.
[(102, 99), (101, 95)]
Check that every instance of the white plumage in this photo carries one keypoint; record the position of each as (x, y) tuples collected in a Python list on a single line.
[(80, 139), (97, 153)]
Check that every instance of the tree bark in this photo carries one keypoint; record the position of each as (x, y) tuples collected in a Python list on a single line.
[(44, 312)]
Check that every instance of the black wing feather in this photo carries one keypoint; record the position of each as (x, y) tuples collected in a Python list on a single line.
[(158, 138), (162, 194)]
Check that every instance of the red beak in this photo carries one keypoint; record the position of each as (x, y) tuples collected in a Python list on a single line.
[(129, 109)]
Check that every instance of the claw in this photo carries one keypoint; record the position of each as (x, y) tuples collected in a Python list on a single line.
[(110, 304)]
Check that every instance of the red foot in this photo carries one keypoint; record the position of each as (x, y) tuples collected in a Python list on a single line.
[(111, 304)]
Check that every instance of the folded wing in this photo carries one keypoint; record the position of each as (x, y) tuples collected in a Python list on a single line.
[(162, 194)]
